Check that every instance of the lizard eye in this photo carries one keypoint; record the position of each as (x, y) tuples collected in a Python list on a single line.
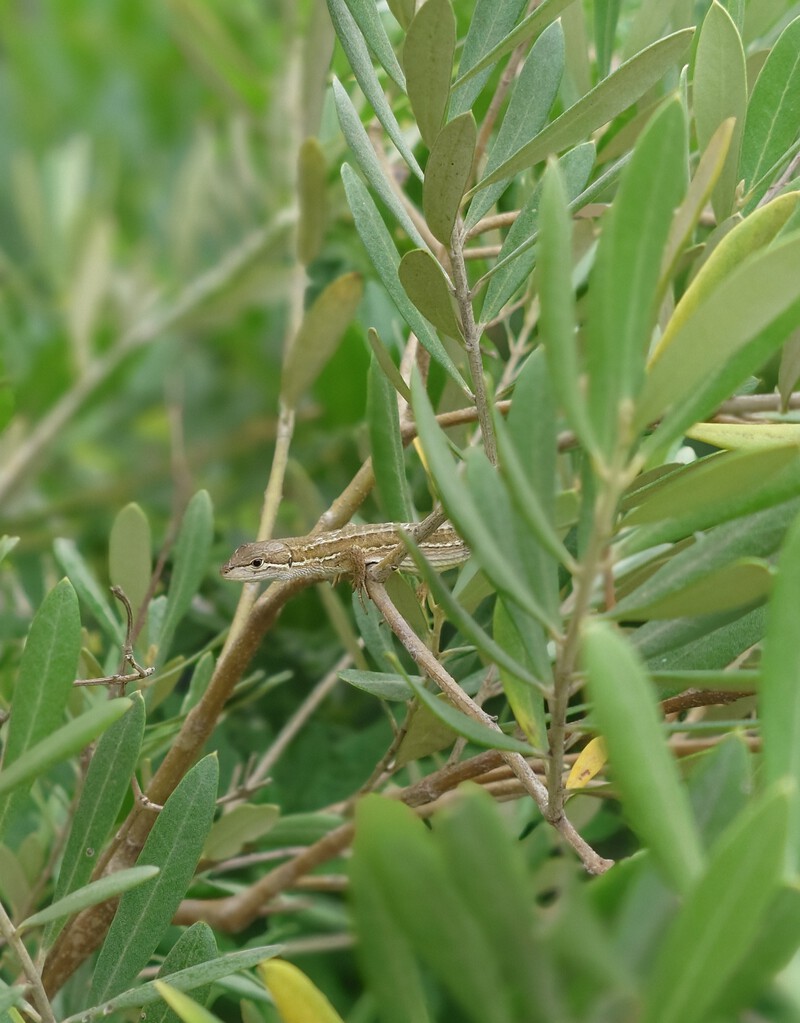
[(256, 562)]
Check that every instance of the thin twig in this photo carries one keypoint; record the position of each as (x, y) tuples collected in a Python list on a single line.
[(472, 344), (38, 993), (594, 863)]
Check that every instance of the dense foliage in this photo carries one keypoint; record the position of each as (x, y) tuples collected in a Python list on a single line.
[(272, 269)]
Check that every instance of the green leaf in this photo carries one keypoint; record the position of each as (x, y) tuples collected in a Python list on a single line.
[(774, 945), (779, 703), (238, 827), (358, 56), (535, 90), (386, 955), (467, 625), (319, 335), (714, 490), (645, 773), (427, 287), (106, 785), (488, 42), (385, 258), (489, 549), (183, 980), (716, 926), (682, 644), (737, 584), (490, 872), (382, 684), (606, 16), (688, 213), (386, 446), (364, 152), (517, 255), (773, 113), (525, 701), (716, 323), (731, 681), (556, 295), (475, 731), (624, 282), (56, 746), (428, 61), (108, 887), (129, 561), (607, 99), (190, 564), (41, 689), (368, 20), (195, 945), (447, 174), (390, 371), (757, 536), (720, 92), (530, 507), (407, 866), (174, 845), (72, 564), (311, 199)]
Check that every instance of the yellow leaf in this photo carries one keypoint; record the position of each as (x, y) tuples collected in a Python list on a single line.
[(296, 998), (746, 436), (591, 759)]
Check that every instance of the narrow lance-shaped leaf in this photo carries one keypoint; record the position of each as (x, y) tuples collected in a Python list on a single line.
[(535, 90), (517, 256), (295, 996), (195, 945), (625, 278), (185, 1007), (190, 565), (697, 194), (364, 152), (386, 446), (716, 927), (354, 46), (390, 371), (779, 701), (474, 731), (144, 914), (428, 62), (386, 259), (73, 565), (488, 549), (427, 287), (368, 20), (185, 979), (485, 49), (106, 784), (720, 92), (129, 554), (108, 887), (773, 113), (42, 687), (613, 95), (557, 298), (644, 770), (757, 293), (320, 333), (446, 175), (311, 195), (56, 746)]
